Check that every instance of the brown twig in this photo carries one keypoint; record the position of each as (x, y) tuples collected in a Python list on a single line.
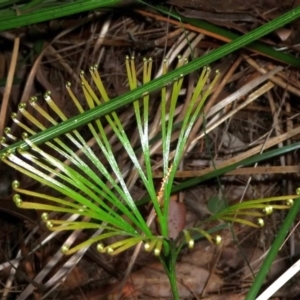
[(9, 83)]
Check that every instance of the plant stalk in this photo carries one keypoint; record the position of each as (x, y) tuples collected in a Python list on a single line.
[(169, 263)]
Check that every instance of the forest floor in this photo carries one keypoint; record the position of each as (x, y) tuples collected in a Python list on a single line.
[(53, 53)]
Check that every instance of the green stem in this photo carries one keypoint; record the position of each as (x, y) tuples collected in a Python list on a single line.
[(10, 20), (284, 229), (169, 263)]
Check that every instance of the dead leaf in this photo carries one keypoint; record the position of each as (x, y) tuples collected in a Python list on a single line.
[(76, 278), (256, 257), (153, 281), (202, 254), (225, 297), (283, 33), (233, 260), (177, 218)]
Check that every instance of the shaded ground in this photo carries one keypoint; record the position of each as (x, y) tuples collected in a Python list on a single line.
[(270, 118)]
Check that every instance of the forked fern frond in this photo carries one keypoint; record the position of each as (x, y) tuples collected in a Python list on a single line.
[(86, 177), (95, 189)]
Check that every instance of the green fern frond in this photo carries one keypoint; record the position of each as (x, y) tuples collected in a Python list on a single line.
[(92, 189)]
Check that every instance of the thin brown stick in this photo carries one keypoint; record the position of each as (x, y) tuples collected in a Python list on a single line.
[(270, 143), (278, 81), (9, 83)]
